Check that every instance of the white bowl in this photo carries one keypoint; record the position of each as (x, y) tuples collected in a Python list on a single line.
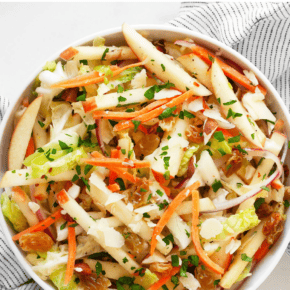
[(154, 32)]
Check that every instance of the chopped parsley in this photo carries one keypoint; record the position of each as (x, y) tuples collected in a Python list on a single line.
[(265, 188), (218, 135), (230, 103), (163, 67), (125, 260), (121, 183), (104, 54), (159, 192), (41, 124), (258, 203), (87, 169), (168, 112), (175, 260), (234, 139), (149, 94), (216, 185), (246, 258), (136, 124), (146, 215), (99, 269), (121, 99), (232, 114)]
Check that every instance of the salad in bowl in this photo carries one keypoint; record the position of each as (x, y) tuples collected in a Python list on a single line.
[(156, 165)]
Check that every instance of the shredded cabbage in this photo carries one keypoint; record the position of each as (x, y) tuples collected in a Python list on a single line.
[(58, 276), (219, 148), (59, 155), (50, 65), (238, 223), (13, 213), (147, 280), (185, 159)]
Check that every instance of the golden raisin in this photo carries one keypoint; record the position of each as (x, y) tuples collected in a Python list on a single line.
[(38, 241), (162, 268), (146, 145), (273, 227), (206, 278), (94, 282)]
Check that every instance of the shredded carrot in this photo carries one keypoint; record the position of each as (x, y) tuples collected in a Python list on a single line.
[(163, 280), (195, 236), (91, 78), (40, 226), (126, 115), (277, 184), (30, 148), (143, 129), (262, 251), (126, 163), (169, 212), (154, 113), (114, 187), (115, 153), (72, 246), (69, 53), (166, 189), (159, 177), (120, 171), (229, 71), (90, 104)]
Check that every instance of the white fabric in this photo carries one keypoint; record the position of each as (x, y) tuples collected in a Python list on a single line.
[(256, 30)]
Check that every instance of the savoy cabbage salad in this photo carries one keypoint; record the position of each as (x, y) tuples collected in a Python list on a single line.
[(154, 165)]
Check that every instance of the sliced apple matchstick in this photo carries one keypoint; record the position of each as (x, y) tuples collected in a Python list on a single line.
[(159, 64), (233, 109), (22, 135)]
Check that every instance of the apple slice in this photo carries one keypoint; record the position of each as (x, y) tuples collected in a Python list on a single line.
[(159, 64), (231, 105), (198, 68), (22, 135), (20, 177)]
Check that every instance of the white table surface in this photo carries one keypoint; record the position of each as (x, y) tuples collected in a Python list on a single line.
[(30, 33)]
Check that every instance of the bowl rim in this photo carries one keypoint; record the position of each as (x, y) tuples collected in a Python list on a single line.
[(4, 226)]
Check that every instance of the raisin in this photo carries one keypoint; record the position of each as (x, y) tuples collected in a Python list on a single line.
[(206, 278), (38, 242), (146, 145), (273, 227), (162, 268), (94, 282), (264, 210)]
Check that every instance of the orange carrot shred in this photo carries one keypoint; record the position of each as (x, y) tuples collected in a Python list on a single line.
[(114, 187), (143, 129), (229, 71), (30, 148), (195, 237), (163, 280), (89, 105), (115, 153), (120, 171), (40, 226), (169, 212), (154, 113), (72, 246), (91, 78)]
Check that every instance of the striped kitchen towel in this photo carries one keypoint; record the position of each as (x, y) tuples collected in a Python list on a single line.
[(259, 31)]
